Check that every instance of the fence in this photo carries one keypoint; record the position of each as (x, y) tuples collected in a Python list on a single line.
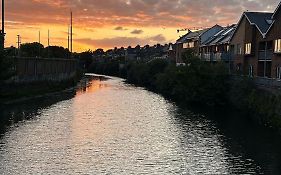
[(43, 69), (269, 83)]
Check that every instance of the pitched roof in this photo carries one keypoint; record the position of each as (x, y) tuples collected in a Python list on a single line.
[(191, 35), (260, 19), (222, 37)]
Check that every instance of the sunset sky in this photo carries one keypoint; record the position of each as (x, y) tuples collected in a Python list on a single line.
[(109, 23)]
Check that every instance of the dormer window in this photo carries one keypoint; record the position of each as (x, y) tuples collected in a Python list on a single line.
[(248, 48), (277, 46)]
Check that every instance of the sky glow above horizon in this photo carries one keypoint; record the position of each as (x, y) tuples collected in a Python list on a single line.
[(109, 23)]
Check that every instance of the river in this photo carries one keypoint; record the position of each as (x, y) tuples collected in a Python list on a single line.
[(110, 127)]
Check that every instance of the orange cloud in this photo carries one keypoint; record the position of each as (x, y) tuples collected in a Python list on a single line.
[(96, 21)]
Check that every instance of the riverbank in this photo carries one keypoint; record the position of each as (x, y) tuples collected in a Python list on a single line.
[(11, 93), (208, 86)]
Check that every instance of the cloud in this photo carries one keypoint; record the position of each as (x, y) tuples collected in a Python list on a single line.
[(122, 41), (90, 16), (136, 31), (164, 13), (120, 28)]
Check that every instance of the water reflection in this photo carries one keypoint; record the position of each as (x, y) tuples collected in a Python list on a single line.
[(109, 127)]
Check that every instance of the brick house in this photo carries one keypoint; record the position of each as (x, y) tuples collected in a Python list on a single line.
[(256, 44), (217, 48), (193, 40), (273, 41)]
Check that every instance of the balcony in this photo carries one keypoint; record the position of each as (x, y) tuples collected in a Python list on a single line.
[(206, 56), (265, 55), (216, 56)]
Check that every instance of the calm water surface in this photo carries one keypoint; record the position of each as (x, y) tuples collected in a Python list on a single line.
[(114, 128)]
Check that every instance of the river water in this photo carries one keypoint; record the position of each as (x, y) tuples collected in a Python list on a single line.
[(110, 127)]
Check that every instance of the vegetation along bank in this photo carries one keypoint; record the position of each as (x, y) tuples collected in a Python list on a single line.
[(199, 83)]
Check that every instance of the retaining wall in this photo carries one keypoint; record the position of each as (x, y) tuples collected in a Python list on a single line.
[(43, 69)]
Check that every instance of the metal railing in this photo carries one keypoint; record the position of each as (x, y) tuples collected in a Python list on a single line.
[(219, 56), (270, 83)]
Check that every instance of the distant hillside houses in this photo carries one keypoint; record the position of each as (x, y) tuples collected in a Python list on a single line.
[(138, 53)]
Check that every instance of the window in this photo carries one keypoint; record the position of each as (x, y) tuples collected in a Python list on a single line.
[(227, 48), (277, 46), (188, 45), (191, 44), (248, 49), (238, 49), (278, 73), (251, 68)]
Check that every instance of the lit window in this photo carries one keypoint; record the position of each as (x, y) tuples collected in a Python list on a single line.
[(248, 48), (191, 44), (188, 45), (277, 46)]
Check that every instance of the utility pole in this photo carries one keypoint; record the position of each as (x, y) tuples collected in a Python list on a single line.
[(39, 37), (71, 34), (68, 41), (3, 17), (39, 44), (19, 43), (48, 43), (3, 26)]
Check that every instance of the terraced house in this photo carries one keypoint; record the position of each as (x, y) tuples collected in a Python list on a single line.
[(193, 40), (216, 48), (256, 44)]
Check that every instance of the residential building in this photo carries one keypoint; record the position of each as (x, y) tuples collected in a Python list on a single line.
[(193, 40), (217, 47), (256, 44)]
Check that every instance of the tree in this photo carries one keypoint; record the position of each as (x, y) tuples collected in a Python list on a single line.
[(56, 52), (6, 70), (86, 58), (188, 55), (31, 49)]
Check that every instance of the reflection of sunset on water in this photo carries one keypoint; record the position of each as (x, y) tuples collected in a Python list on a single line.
[(91, 86)]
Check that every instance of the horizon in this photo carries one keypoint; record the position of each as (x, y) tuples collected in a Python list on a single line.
[(118, 23)]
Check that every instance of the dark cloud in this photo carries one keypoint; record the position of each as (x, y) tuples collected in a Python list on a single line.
[(137, 31), (120, 28)]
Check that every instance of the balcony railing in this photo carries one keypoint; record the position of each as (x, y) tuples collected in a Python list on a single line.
[(265, 55), (206, 56), (216, 56)]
